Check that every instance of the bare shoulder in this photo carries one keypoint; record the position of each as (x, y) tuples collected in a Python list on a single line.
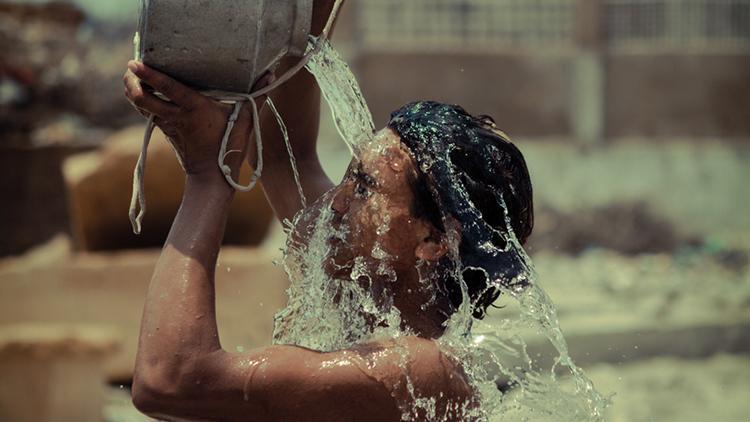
[(379, 381), (419, 369), (427, 364)]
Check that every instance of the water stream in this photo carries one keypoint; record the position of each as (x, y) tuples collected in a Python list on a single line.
[(351, 115), (327, 314), (289, 150)]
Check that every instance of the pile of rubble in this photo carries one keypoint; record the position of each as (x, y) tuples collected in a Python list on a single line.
[(53, 65)]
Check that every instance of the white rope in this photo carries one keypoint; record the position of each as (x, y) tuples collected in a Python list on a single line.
[(138, 198), (223, 153)]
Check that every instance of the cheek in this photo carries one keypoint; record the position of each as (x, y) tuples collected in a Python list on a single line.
[(403, 235)]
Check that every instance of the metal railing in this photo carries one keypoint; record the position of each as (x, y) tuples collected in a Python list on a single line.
[(677, 24), (464, 24)]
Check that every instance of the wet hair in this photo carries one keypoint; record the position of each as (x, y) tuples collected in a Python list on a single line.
[(470, 172)]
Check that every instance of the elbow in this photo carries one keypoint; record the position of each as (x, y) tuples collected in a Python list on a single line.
[(151, 397), (158, 394), (168, 388), (145, 399)]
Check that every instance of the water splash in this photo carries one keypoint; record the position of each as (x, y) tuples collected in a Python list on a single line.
[(351, 115), (324, 313), (330, 313), (292, 160)]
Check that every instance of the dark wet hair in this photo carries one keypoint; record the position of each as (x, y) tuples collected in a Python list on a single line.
[(471, 172)]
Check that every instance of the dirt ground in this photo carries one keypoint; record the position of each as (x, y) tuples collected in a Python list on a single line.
[(664, 389)]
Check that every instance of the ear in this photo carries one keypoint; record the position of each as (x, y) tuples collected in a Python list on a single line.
[(431, 249)]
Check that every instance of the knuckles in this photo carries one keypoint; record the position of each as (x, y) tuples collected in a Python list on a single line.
[(138, 99), (166, 86)]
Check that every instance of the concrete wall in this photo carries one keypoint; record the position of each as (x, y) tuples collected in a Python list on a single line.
[(526, 96), (676, 95), (646, 95)]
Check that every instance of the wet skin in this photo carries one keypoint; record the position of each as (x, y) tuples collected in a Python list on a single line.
[(182, 373), (373, 211)]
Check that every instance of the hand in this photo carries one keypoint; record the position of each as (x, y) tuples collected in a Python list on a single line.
[(193, 123)]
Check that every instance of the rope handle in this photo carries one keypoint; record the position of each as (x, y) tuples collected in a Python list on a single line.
[(223, 153), (138, 200)]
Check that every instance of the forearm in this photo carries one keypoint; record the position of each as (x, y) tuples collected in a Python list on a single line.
[(298, 102), (179, 319)]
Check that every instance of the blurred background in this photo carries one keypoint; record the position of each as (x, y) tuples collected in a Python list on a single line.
[(634, 117)]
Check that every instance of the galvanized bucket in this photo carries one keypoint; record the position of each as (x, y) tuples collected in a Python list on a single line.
[(221, 45)]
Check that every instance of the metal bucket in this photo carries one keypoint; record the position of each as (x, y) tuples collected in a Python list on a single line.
[(222, 45)]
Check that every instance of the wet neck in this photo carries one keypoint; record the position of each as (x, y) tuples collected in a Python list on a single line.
[(420, 309)]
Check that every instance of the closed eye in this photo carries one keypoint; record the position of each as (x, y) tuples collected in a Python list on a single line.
[(365, 182)]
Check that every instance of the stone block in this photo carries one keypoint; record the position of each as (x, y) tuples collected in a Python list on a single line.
[(110, 289), (99, 186), (53, 372)]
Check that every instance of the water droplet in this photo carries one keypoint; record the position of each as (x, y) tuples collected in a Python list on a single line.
[(344, 97)]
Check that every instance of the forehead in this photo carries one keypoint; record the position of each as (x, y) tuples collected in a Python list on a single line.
[(383, 140), (384, 149)]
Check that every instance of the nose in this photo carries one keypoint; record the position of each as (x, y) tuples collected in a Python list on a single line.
[(340, 203)]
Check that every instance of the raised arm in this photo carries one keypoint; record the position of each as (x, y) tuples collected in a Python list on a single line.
[(298, 102), (178, 328)]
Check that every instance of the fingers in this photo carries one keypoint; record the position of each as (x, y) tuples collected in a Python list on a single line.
[(146, 101), (175, 91)]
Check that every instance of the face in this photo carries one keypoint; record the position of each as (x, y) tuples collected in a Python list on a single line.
[(376, 239), (372, 206)]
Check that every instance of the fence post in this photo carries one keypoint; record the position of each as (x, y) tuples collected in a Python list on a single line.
[(588, 102)]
